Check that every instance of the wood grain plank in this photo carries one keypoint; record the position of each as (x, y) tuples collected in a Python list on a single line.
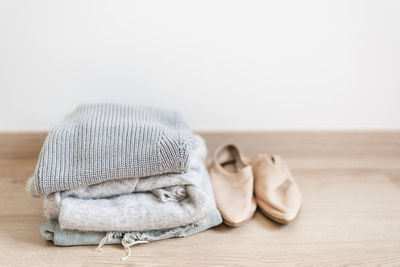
[(351, 212)]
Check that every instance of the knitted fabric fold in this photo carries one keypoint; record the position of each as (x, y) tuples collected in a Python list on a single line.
[(102, 142), (120, 174), (137, 204)]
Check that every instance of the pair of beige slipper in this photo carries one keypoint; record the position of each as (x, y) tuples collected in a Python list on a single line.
[(240, 184)]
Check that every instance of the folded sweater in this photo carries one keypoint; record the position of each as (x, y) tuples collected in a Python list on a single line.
[(137, 204), (102, 142)]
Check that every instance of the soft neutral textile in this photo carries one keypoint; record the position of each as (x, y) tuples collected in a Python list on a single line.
[(102, 142), (137, 204), (51, 231)]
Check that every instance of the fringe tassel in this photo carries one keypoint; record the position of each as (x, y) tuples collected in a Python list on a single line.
[(127, 243), (104, 241)]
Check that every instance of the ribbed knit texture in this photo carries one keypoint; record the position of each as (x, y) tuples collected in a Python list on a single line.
[(101, 142)]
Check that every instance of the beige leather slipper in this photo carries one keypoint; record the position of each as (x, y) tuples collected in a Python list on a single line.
[(277, 193), (233, 183)]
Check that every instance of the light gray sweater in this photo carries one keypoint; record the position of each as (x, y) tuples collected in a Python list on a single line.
[(102, 142), (137, 204)]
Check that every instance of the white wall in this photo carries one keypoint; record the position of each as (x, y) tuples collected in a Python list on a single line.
[(294, 64)]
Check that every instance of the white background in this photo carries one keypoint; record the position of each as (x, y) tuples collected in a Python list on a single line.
[(244, 65)]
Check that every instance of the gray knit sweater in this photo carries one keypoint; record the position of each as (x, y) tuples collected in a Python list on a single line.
[(101, 142)]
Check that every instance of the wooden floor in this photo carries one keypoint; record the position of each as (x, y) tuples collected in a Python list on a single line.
[(351, 214)]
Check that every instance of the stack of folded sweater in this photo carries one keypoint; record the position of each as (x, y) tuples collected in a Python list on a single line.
[(120, 174)]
